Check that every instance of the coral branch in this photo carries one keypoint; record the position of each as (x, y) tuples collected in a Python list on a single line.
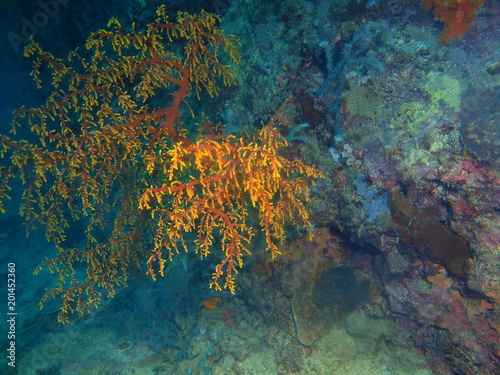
[(226, 177), (107, 152)]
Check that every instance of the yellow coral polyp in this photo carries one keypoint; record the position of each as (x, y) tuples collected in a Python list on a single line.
[(261, 180), (101, 155)]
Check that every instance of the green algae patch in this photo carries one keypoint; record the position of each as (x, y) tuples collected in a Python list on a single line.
[(413, 116), (443, 88)]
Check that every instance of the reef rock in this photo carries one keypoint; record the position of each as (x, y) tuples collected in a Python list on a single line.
[(325, 294)]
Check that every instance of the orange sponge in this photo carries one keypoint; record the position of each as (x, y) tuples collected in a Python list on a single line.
[(457, 16)]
